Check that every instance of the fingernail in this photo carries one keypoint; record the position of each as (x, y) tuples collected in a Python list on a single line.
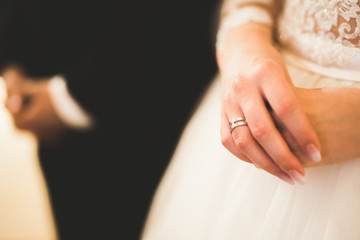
[(297, 176), (286, 178), (313, 152)]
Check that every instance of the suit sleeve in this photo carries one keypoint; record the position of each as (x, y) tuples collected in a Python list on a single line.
[(74, 39)]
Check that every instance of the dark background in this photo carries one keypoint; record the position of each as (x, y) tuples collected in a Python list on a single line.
[(179, 59)]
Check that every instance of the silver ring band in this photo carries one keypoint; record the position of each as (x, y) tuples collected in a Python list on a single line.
[(237, 119), (237, 122)]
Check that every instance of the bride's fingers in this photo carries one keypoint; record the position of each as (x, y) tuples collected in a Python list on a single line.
[(244, 141), (228, 142), (283, 102), (241, 143), (292, 143), (262, 128)]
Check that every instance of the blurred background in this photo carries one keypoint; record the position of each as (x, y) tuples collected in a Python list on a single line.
[(167, 58)]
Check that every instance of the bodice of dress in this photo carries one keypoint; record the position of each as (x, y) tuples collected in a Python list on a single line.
[(326, 32)]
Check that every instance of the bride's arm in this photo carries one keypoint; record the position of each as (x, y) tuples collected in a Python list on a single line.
[(253, 74), (335, 115)]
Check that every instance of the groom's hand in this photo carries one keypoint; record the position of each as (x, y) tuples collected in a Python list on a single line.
[(30, 105)]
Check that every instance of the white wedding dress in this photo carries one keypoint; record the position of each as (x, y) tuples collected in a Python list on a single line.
[(207, 193)]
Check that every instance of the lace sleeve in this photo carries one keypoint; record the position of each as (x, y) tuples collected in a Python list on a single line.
[(234, 13)]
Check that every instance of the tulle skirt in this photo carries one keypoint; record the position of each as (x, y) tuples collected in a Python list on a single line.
[(207, 193)]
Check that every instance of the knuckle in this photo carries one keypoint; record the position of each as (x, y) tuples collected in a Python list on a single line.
[(265, 67), (238, 83), (260, 131), (285, 107), (226, 140), (242, 142)]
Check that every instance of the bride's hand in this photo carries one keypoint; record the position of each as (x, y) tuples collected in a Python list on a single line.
[(335, 116), (253, 75)]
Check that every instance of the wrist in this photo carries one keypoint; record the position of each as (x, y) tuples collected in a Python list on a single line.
[(248, 34), (244, 44)]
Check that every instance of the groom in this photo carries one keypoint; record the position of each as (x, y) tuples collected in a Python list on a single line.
[(68, 66), (97, 84)]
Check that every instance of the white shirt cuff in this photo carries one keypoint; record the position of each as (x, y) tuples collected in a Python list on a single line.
[(68, 110)]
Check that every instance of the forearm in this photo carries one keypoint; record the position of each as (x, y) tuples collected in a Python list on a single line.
[(244, 26)]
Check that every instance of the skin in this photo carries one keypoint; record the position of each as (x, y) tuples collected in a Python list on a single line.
[(30, 105), (253, 73), (335, 117), (288, 127)]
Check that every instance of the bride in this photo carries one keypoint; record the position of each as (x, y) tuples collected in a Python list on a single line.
[(287, 101)]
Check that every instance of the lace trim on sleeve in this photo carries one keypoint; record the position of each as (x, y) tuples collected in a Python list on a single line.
[(229, 6), (237, 12), (241, 16)]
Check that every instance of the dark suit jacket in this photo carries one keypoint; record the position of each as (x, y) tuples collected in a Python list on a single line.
[(127, 64)]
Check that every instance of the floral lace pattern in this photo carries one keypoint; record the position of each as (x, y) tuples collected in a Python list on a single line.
[(325, 31)]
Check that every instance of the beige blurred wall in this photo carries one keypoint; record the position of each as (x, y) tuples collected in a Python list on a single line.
[(25, 210)]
